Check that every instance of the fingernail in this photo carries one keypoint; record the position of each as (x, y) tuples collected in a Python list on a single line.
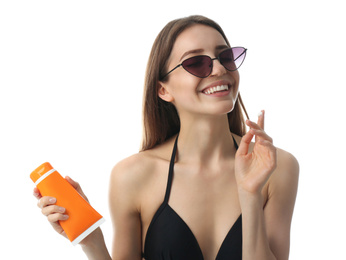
[(52, 200), (260, 113), (64, 217)]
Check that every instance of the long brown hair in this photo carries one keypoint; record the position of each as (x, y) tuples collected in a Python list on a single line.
[(160, 118)]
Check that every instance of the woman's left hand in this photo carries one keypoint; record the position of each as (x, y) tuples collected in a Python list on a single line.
[(252, 170)]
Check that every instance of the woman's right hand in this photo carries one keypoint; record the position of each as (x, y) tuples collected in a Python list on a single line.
[(93, 245), (53, 212)]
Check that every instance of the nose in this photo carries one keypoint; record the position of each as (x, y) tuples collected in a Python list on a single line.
[(218, 69)]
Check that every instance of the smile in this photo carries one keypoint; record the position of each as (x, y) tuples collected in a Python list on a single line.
[(215, 89)]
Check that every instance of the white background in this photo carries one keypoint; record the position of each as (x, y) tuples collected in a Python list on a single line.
[(71, 80)]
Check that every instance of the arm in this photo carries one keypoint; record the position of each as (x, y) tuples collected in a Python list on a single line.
[(265, 232), (94, 246), (278, 211), (124, 195)]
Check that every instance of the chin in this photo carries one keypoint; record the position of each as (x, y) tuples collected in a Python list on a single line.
[(222, 110)]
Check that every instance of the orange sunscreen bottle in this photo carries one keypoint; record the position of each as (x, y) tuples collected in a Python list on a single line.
[(83, 219)]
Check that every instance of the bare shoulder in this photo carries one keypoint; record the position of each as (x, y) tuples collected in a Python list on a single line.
[(283, 184), (132, 173), (137, 166), (135, 174), (287, 166), (131, 169)]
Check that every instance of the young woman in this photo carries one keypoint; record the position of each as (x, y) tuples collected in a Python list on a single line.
[(199, 188)]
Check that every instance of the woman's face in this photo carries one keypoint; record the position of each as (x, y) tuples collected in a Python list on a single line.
[(191, 94)]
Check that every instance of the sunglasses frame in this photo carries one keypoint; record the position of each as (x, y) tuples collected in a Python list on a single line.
[(212, 59)]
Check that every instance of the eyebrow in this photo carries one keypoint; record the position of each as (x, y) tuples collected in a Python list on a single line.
[(218, 47)]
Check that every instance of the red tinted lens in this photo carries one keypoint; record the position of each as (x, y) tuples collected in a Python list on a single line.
[(199, 66), (232, 59)]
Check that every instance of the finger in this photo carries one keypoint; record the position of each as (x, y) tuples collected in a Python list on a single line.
[(257, 126), (271, 152), (56, 217), (260, 120), (261, 134), (37, 193), (244, 144), (271, 148), (72, 182), (52, 209), (58, 228), (253, 125), (45, 201)]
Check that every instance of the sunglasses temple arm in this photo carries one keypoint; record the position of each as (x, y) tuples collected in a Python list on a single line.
[(172, 70)]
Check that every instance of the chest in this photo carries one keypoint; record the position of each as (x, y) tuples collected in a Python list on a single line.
[(208, 203), (200, 192), (204, 204)]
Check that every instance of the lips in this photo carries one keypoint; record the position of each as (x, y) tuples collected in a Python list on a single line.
[(213, 90), (220, 86)]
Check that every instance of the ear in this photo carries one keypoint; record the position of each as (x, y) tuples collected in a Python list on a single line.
[(164, 93)]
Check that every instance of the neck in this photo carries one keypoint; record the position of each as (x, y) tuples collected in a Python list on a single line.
[(205, 139)]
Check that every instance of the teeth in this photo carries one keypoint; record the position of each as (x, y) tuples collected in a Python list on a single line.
[(216, 89)]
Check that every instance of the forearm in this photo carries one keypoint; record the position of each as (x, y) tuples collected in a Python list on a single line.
[(94, 246), (255, 240)]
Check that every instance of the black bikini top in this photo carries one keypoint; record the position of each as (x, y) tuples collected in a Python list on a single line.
[(169, 238)]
